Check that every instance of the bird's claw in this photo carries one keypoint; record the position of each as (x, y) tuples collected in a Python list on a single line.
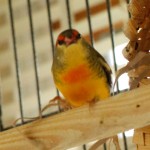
[(58, 101)]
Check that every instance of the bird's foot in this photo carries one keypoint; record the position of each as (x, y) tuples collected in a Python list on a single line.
[(58, 101)]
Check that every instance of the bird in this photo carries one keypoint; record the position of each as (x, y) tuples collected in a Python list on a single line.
[(80, 73)]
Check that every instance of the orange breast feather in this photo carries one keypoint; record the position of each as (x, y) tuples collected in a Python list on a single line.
[(76, 74)]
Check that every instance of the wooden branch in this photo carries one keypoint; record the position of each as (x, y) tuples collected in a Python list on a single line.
[(82, 125)]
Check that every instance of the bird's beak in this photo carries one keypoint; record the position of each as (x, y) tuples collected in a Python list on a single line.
[(70, 41)]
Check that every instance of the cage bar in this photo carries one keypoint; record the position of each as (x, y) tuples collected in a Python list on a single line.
[(68, 13), (1, 113), (34, 55), (89, 22), (16, 59)]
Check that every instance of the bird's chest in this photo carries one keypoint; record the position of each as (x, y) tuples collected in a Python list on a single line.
[(79, 73)]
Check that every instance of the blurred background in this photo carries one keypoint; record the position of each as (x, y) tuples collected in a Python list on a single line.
[(28, 31)]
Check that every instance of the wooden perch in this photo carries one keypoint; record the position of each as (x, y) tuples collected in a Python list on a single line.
[(81, 125)]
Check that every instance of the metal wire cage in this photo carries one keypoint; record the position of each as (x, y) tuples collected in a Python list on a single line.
[(29, 29)]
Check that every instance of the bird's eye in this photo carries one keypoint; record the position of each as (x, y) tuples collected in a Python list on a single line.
[(78, 36), (60, 42)]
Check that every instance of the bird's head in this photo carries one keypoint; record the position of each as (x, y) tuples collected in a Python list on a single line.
[(68, 37)]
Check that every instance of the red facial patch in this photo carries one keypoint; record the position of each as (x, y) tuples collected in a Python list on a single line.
[(75, 33), (60, 38)]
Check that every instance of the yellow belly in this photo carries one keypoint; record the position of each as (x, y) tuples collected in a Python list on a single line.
[(82, 93)]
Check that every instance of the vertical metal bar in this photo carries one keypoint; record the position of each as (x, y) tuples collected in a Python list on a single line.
[(68, 13), (104, 147), (34, 55), (113, 50), (125, 141), (51, 31), (128, 1), (50, 26), (112, 36), (84, 147), (89, 22), (1, 121), (16, 59), (111, 32)]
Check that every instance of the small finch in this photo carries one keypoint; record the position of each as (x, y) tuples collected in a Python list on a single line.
[(80, 73)]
